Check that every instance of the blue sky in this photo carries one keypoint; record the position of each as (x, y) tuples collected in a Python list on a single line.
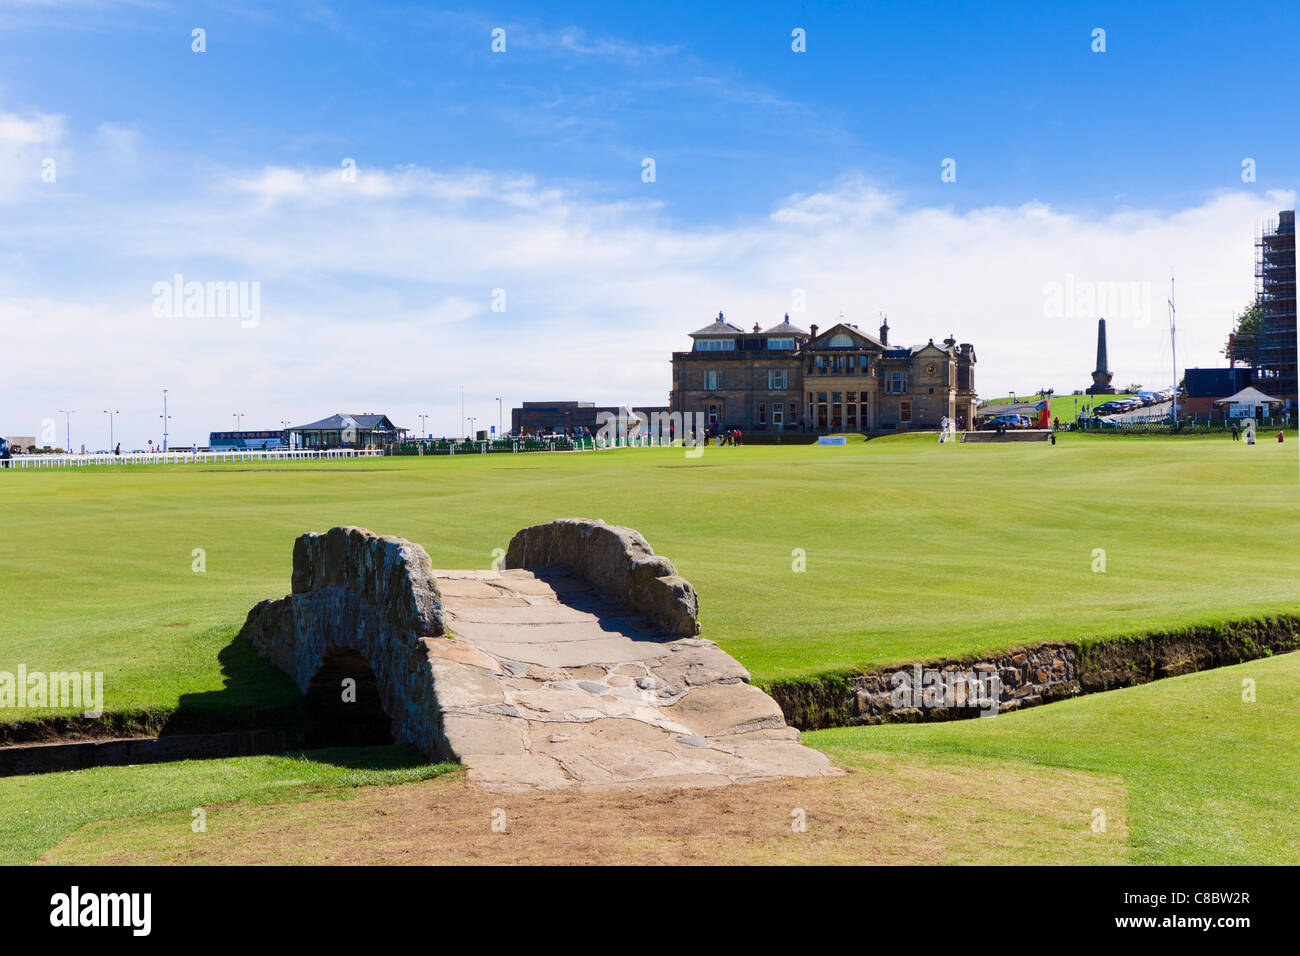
[(522, 170)]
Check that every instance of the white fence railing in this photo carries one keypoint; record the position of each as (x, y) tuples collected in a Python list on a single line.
[(212, 457), (184, 457)]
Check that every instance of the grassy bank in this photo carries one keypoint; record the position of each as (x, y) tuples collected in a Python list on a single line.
[(1211, 778)]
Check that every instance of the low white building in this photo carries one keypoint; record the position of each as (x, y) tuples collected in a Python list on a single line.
[(1249, 403)]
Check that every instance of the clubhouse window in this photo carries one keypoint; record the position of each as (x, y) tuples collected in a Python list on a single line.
[(776, 378), (905, 411), (712, 380), (762, 413)]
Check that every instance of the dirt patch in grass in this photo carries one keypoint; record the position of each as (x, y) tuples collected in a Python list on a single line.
[(884, 811)]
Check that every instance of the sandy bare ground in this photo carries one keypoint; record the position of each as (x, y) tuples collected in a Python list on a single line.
[(885, 811)]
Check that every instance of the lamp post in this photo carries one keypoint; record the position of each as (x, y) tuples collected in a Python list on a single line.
[(423, 427), (500, 420), (110, 415), (239, 419), (472, 433), (165, 419), (68, 413)]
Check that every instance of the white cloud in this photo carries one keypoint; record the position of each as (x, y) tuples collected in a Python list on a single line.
[(26, 141), (118, 144), (377, 294)]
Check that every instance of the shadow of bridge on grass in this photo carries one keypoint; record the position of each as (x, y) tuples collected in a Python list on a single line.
[(257, 711)]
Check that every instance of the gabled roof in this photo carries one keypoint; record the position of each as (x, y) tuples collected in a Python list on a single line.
[(844, 328), (1248, 396), (930, 345), (785, 328), (720, 326), (337, 422)]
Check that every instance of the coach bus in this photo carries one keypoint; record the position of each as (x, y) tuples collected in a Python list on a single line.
[(248, 441)]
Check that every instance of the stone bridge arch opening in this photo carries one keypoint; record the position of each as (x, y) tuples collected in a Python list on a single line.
[(343, 704)]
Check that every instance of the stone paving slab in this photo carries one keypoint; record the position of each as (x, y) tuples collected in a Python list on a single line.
[(573, 653), (543, 683), (584, 628), (507, 610)]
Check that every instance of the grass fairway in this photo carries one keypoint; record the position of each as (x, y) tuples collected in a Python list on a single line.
[(1210, 778), (1184, 769), (913, 549), (36, 812), (886, 810)]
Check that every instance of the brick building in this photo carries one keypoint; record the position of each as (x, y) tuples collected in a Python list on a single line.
[(1203, 387), (840, 380)]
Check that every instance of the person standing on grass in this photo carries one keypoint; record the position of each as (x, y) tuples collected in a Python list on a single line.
[(1234, 431)]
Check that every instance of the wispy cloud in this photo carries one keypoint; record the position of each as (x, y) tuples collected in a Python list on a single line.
[(383, 291), (27, 142)]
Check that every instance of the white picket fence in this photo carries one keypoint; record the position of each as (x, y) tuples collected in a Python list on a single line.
[(185, 457)]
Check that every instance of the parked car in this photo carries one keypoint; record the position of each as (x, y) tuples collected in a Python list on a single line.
[(1109, 408), (1009, 421)]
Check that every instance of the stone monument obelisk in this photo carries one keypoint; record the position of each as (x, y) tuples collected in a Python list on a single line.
[(1102, 375)]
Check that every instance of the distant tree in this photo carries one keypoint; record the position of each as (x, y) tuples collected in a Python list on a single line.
[(1241, 344), (1133, 389)]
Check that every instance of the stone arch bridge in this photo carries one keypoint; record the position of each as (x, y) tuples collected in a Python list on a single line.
[(577, 663)]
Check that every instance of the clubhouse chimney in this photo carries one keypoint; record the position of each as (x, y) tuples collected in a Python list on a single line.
[(813, 330)]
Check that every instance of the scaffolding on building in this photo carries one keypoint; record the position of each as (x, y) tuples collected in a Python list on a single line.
[(1273, 358)]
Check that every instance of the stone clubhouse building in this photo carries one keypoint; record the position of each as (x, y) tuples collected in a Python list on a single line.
[(839, 380)]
